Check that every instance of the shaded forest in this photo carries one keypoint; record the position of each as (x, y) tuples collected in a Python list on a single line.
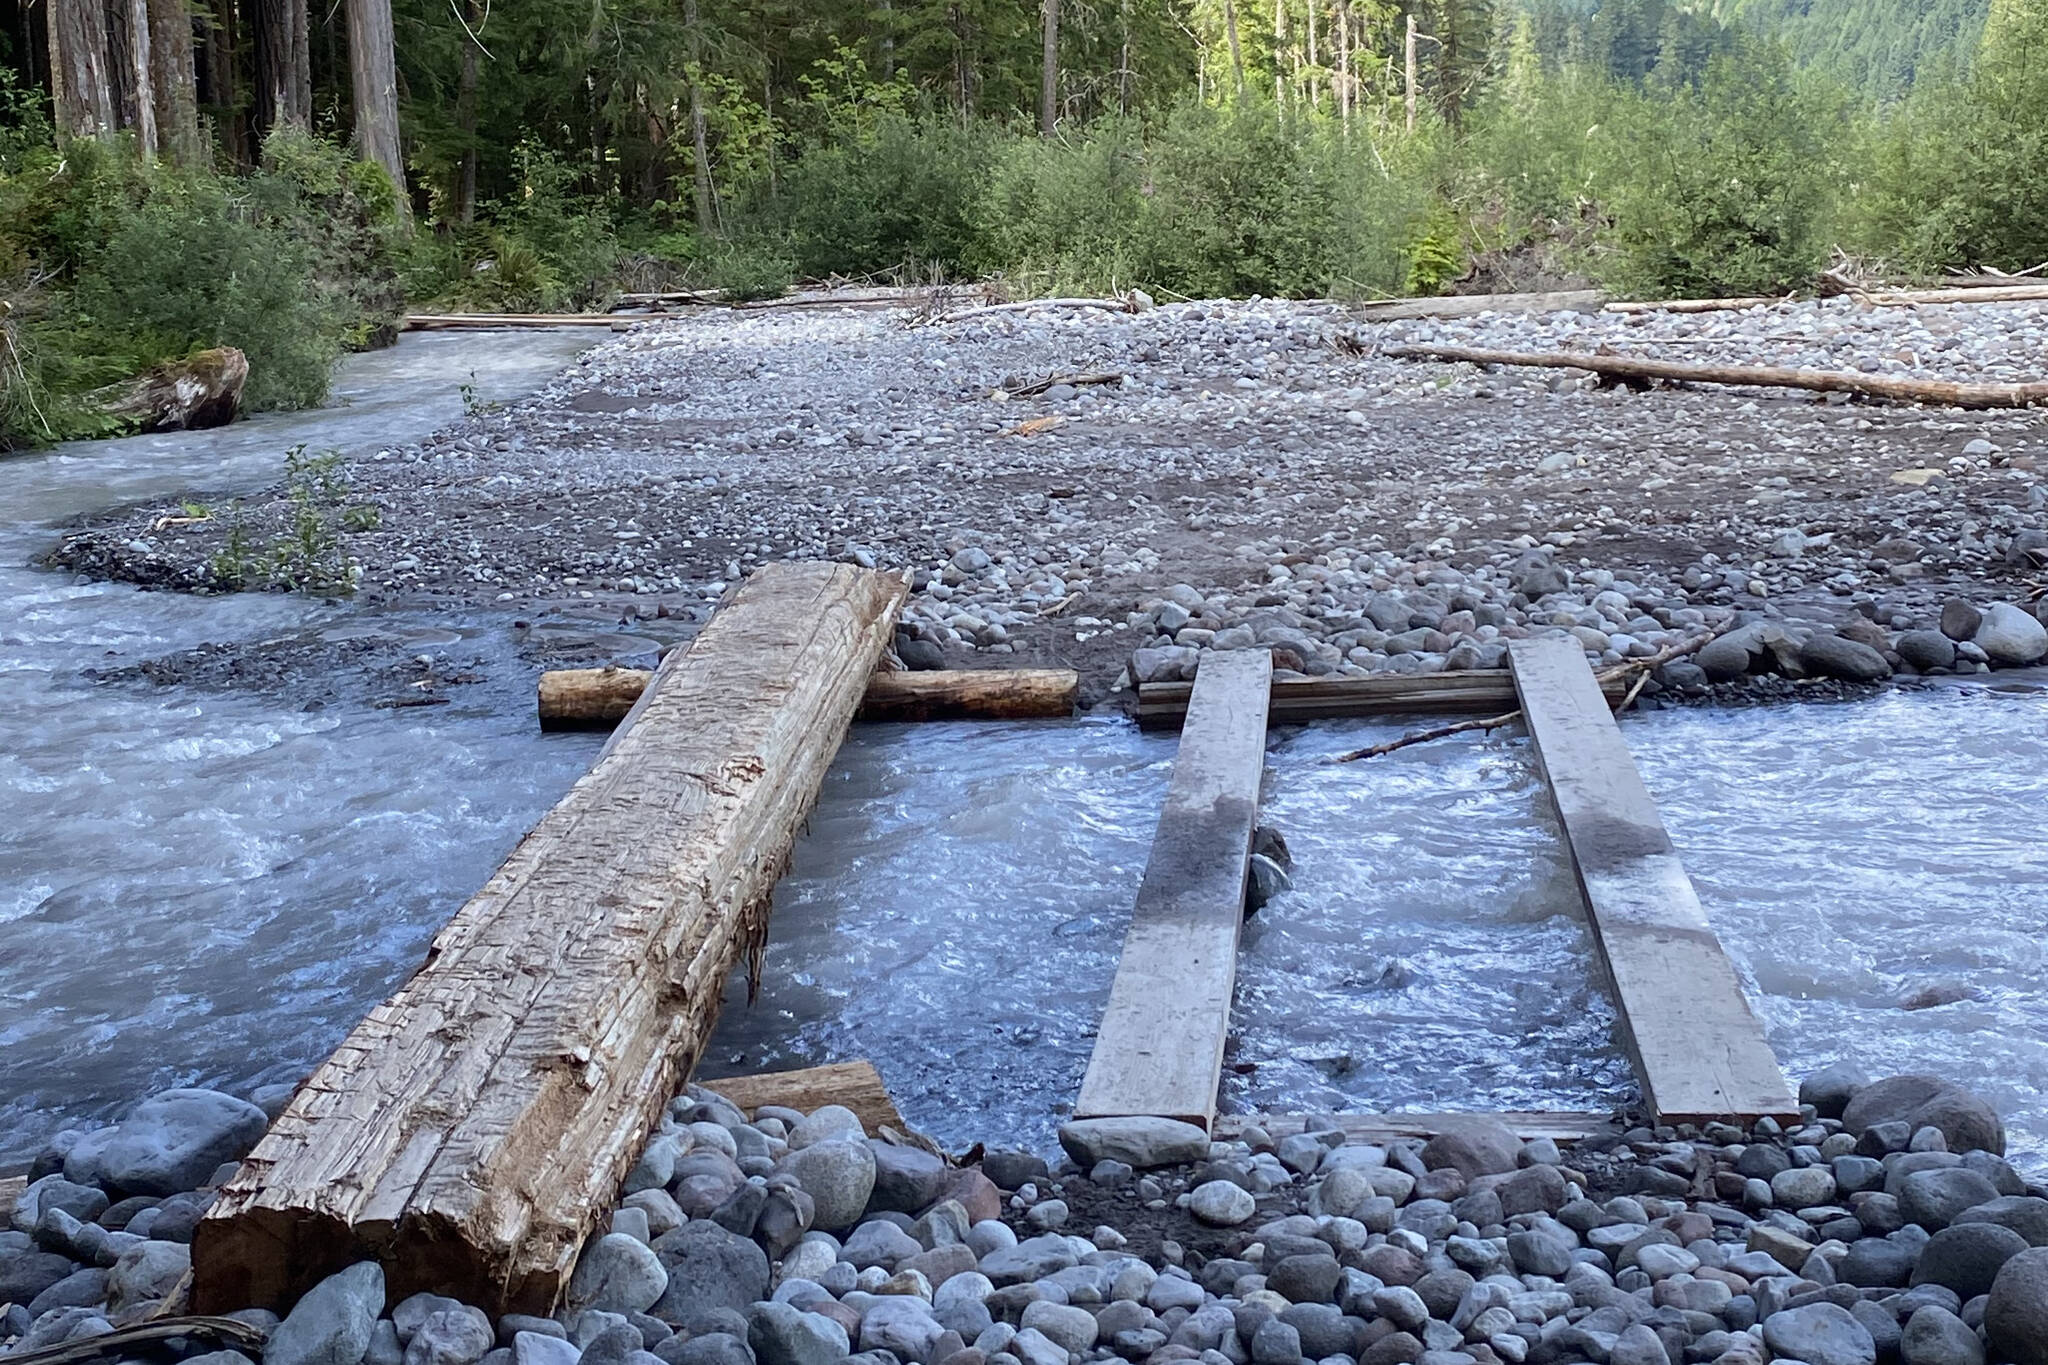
[(176, 174)]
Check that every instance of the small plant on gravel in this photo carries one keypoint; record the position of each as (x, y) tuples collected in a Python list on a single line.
[(361, 517), (231, 563)]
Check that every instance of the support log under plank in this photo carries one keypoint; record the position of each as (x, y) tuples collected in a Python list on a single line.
[(1698, 1050), (1564, 1126), (1163, 706), (1159, 1051), (851, 1085), (470, 1129), (599, 698)]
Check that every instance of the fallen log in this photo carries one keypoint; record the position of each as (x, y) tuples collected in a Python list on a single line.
[(1134, 302), (1990, 291), (201, 391), (851, 1085), (1472, 305), (1163, 706), (458, 322), (469, 1131), (1038, 386), (1640, 371), (599, 698)]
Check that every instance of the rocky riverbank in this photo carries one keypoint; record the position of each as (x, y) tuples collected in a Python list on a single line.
[(1885, 1226), (1247, 474)]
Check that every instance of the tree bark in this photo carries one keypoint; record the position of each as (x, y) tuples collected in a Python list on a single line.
[(372, 73), (80, 83), (175, 82), (700, 151), (1279, 46), (1408, 54), (1048, 66), (465, 119), (1344, 98), (284, 64), (135, 83), (1236, 48), (221, 70)]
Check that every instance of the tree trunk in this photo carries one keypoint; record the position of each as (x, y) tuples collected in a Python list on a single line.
[(1279, 46), (1344, 96), (373, 75), (1315, 94), (700, 151), (175, 82), (1236, 48), (1408, 53), (80, 84), (284, 65), (221, 72), (1123, 61), (1048, 66), (135, 81), (465, 119)]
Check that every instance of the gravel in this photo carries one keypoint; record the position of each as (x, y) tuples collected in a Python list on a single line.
[(1260, 477)]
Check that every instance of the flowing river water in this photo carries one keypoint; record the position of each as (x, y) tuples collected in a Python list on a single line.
[(210, 886)]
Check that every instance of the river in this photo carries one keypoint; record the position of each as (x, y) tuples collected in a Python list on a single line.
[(211, 885)]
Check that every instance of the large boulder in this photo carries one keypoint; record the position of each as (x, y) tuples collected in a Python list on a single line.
[(1967, 1257), (332, 1324), (1920, 1101), (1138, 1142), (2011, 636), (170, 1143), (2016, 1315), (708, 1268), (1474, 1147), (1820, 1334)]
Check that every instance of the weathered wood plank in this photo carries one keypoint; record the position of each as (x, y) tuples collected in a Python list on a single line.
[(854, 1085), (1160, 1048), (11, 1187), (468, 1131), (1559, 1126), (1162, 706), (599, 698), (1698, 1049)]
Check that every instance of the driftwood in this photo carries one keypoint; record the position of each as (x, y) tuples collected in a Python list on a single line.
[(1631, 674), (470, 1130), (114, 1345), (201, 391), (852, 1085), (2000, 289), (1642, 372), (599, 698), (462, 322), (1471, 305), (1036, 387), (1133, 302)]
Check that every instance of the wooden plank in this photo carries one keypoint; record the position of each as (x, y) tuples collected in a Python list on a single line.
[(1698, 1050), (855, 1085), (1559, 1126), (1483, 692), (1160, 1048), (11, 1187), (599, 698), (471, 1128)]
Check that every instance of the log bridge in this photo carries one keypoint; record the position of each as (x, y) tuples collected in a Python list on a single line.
[(468, 1131)]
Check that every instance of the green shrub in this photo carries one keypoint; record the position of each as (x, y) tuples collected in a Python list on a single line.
[(902, 194), (1727, 190), (1061, 216)]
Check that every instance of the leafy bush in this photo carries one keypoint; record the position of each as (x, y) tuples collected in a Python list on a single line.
[(1062, 216), (900, 194), (1727, 190)]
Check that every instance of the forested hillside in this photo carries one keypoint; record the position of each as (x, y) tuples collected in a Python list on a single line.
[(281, 177), (1879, 46)]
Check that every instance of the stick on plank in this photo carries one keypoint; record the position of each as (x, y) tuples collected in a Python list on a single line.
[(1698, 1050), (1159, 1051)]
